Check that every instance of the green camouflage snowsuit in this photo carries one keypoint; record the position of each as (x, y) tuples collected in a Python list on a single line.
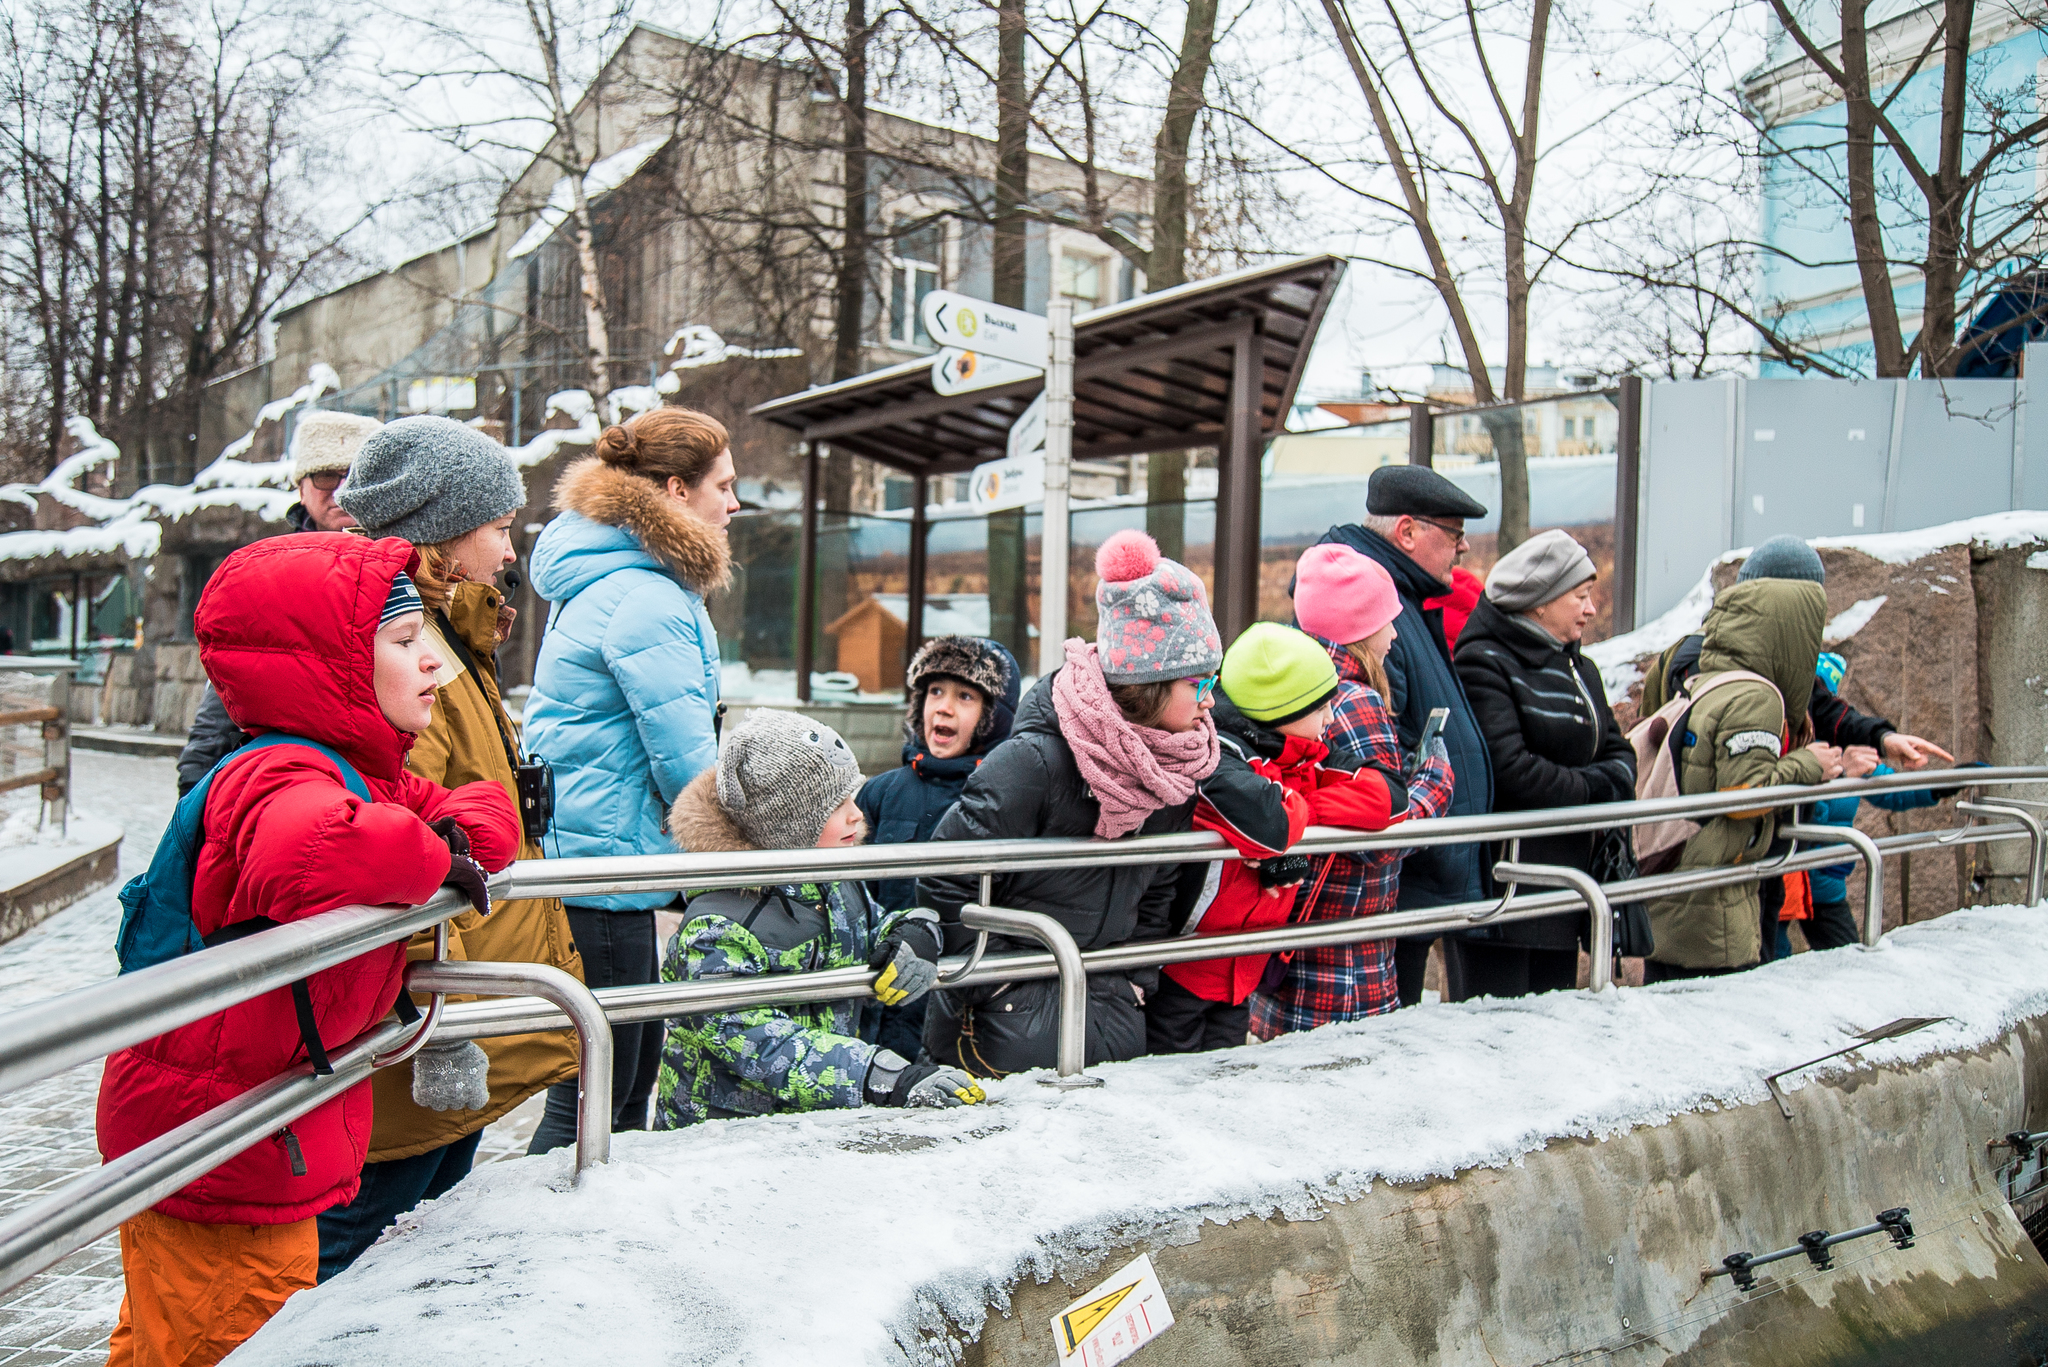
[(761, 1059)]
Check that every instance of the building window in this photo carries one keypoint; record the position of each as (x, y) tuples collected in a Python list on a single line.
[(1081, 279), (1569, 425), (913, 273)]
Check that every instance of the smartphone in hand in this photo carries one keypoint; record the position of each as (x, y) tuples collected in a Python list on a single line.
[(1431, 729)]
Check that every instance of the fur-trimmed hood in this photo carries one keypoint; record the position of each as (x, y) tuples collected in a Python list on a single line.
[(699, 825), (696, 553)]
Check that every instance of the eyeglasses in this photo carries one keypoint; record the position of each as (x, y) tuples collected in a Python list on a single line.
[(1454, 530), (327, 481), (1203, 687)]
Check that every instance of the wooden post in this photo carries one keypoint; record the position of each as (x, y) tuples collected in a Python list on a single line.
[(1628, 485), (913, 633), (807, 575), (1237, 509), (1421, 435)]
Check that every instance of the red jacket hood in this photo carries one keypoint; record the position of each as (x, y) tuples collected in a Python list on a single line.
[(287, 630)]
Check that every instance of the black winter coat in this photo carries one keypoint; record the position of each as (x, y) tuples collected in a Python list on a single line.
[(1554, 742), (1419, 678), (1030, 786), (904, 805)]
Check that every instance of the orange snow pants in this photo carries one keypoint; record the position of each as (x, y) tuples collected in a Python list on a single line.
[(196, 1291)]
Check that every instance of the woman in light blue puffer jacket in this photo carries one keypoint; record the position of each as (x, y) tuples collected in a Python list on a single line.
[(626, 691)]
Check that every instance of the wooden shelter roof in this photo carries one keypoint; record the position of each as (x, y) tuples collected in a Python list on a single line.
[(1149, 374)]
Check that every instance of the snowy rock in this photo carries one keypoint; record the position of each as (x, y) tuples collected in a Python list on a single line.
[(884, 1237)]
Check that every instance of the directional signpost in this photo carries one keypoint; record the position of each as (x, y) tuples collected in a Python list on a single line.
[(956, 372), (988, 344), (954, 320)]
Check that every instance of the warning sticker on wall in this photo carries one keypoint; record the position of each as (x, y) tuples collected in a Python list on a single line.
[(1121, 1315)]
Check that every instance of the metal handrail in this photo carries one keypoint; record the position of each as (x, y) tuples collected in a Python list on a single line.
[(61, 1032), (1873, 869), (1072, 1055), (88, 1206), (2020, 810)]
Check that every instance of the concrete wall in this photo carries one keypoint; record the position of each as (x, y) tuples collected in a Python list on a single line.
[(2012, 680), (1595, 1251)]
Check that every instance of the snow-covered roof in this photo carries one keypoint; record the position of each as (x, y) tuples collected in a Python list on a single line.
[(839, 1238), (605, 175)]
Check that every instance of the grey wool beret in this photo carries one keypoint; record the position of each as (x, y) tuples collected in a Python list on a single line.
[(325, 441), (1417, 491), (781, 776), (1543, 567), (429, 480)]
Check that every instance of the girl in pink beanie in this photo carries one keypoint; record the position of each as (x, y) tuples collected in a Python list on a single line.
[(1348, 602)]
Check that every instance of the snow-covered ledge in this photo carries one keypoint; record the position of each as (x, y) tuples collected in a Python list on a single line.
[(879, 1237)]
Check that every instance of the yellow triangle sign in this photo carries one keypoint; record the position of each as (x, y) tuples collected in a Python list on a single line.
[(1081, 1321)]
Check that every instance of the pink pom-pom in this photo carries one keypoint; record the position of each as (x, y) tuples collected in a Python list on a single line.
[(1127, 555)]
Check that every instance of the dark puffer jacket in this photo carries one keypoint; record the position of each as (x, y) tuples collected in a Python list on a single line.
[(1031, 786), (1420, 677), (1554, 742)]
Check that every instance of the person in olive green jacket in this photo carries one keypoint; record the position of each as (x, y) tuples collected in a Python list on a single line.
[(453, 492), (1744, 734)]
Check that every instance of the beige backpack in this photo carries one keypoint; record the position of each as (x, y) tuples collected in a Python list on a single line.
[(1658, 844)]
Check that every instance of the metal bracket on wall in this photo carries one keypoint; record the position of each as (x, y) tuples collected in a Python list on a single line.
[(1741, 1267), (1904, 1025)]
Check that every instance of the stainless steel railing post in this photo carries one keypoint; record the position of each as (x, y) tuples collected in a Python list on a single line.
[(1873, 869), (1600, 944), (593, 1034), (1992, 805), (1073, 1037)]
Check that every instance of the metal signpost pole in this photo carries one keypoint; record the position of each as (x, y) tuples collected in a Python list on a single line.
[(1059, 453)]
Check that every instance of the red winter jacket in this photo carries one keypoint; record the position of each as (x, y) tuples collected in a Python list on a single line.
[(1268, 789), (285, 631), (1466, 590)]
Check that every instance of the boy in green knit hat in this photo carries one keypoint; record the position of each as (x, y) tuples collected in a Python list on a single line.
[(1276, 778)]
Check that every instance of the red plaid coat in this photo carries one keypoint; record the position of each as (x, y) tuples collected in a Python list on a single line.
[(1348, 982)]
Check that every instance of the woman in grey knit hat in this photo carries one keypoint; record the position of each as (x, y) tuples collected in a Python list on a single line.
[(1543, 710), (453, 492)]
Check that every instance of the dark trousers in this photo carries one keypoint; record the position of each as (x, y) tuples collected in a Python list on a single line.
[(1179, 1022), (1770, 901), (618, 950), (1833, 926), (901, 1028), (389, 1190), (1494, 970), (1654, 972), (1411, 965)]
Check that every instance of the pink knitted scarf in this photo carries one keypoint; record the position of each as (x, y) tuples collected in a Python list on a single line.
[(1133, 770)]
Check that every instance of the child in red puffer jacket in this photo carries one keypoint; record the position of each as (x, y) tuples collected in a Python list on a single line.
[(320, 637), (1275, 779)]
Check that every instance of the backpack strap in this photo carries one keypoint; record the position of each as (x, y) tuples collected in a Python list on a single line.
[(302, 998), (350, 779)]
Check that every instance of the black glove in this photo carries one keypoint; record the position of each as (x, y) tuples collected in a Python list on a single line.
[(1277, 871), (467, 877), (452, 835), (1941, 794), (908, 958), (1611, 780)]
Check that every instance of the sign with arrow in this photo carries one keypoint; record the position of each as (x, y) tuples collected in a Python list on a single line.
[(957, 372), (991, 330)]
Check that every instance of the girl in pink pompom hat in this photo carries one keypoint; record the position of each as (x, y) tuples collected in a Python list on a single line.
[(1115, 742), (1348, 602)]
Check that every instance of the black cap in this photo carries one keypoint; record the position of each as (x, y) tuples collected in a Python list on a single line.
[(1417, 491)]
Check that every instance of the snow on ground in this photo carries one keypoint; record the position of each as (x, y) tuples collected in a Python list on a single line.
[(855, 1237)]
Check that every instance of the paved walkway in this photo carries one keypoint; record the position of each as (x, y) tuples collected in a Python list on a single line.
[(46, 1131)]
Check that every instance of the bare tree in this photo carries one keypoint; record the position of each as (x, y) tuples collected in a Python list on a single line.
[(539, 58), (1956, 205), (158, 172)]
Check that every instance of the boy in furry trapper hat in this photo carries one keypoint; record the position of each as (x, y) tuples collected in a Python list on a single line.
[(785, 782), (962, 699)]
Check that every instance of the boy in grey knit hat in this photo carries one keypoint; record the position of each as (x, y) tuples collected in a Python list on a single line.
[(786, 782)]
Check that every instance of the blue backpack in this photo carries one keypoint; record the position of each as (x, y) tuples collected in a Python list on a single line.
[(156, 905)]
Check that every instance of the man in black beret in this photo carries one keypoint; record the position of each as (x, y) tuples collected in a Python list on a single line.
[(1415, 528)]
